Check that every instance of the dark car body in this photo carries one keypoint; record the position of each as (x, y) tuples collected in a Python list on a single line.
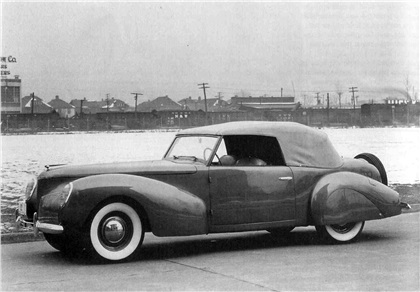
[(238, 176)]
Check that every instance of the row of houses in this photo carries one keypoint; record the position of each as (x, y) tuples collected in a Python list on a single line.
[(368, 115), (32, 113), (35, 105)]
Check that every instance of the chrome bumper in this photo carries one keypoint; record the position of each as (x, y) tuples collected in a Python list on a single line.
[(48, 228), (39, 226), (404, 205)]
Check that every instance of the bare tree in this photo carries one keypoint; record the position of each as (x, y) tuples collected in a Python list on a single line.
[(305, 100), (408, 88), (339, 90)]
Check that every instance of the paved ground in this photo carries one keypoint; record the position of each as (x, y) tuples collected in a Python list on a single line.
[(385, 258)]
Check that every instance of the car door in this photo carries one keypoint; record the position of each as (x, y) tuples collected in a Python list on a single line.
[(251, 194), (247, 194)]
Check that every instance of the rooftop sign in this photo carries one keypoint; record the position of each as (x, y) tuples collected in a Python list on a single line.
[(4, 61)]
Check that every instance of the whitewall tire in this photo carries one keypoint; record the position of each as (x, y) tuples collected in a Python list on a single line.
[(116, 231), (341, 232)]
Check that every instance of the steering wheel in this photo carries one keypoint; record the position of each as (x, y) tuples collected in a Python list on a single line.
[(205, 153)]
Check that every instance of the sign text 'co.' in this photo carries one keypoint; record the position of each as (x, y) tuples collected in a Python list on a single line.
[(9, 59)]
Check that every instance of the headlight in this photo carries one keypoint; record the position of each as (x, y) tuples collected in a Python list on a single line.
[(30, 188), (65, 194)]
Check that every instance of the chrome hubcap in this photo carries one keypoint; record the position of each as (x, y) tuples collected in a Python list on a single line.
[(114, 229), (343, 228)]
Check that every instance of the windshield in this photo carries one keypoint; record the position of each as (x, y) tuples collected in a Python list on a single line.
[(195, 148)]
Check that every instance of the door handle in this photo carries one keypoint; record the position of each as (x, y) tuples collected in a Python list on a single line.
[(285, 178)]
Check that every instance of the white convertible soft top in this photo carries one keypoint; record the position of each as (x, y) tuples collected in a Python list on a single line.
[(301, 145)]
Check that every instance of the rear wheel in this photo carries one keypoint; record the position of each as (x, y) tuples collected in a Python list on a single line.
[(341, 232), (116, 232), (372, 159)]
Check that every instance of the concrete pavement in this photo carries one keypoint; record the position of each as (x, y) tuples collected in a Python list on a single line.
[(385, 258)]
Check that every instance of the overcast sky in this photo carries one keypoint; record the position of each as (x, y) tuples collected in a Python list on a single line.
[(78, 50)]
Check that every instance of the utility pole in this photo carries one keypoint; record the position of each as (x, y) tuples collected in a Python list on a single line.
[(107, 102), (339, 99), (353, 90), (32, 102), (81, 106), (328, 109), (317, 98), (204, 87), (219, 98), (408, 112), (107, 111), (32, 109), (136, 94)]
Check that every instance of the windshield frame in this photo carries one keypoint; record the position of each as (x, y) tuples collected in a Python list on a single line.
[(211, 156)]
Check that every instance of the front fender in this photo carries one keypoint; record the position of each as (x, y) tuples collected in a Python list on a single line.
[(170, 210), (349, 197)]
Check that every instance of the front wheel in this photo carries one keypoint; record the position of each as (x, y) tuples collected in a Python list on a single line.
[(341, 232), (116, 232)]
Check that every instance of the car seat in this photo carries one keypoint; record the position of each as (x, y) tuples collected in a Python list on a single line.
[(251, 161), (227, 160)]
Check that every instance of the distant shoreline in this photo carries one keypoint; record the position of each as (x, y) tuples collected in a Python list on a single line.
[(91, 132), (160, 130)]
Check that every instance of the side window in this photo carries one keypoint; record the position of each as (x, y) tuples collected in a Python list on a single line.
[(249, 150), (221, 151)]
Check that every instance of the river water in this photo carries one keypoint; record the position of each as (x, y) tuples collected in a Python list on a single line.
[(25, 155)]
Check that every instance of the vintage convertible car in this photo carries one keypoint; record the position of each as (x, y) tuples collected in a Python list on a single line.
[(238, 176)]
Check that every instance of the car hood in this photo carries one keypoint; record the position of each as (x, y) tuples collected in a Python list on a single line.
[(134, 168)]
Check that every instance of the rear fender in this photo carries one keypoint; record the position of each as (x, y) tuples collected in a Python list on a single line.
[(349, 197), (170, 210)]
